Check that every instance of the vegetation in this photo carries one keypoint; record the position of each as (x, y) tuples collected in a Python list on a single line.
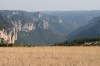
[(38, 37), (15, 45), (7, 45), (77, 42), (50, 56), (81, 42)]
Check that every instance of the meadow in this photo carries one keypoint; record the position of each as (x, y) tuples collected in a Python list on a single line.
[(50, 56)]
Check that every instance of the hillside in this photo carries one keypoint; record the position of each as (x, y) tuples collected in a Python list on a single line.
[(41, 28), (39, 37), (91, 30)]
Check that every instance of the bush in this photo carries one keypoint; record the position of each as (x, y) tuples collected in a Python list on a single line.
[(6, 45)]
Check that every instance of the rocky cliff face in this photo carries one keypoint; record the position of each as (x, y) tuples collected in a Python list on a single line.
[(29, 26), (24, 27), (8, 37), (11, 36), (18, 25)]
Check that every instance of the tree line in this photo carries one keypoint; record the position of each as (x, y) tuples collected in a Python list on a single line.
[(77, 42), (80, 42)]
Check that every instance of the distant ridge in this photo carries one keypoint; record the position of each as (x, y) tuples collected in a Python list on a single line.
[(91, 30)]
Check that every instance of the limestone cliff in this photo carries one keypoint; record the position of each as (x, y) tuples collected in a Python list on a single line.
[(24, 27), (29, 26), (11, 35), (8, 37)]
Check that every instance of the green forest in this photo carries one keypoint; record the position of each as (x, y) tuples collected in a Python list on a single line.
[(81, 42)]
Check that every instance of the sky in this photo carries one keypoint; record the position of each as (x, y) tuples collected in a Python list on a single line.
[(49, 5)]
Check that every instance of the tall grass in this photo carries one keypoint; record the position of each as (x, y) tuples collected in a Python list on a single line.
[(50, 56)]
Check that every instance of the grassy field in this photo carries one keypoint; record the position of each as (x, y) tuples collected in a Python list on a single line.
[(50, 56)]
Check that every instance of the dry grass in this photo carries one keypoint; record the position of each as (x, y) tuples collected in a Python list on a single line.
[(50, 56)]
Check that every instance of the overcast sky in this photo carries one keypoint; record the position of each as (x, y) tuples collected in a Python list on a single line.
[(49, 5)]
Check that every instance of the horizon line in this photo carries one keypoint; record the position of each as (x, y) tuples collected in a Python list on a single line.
[(46, 10)]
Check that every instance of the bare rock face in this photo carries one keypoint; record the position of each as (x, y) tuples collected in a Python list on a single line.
[(45, 25), (20, 26), (8, 37), (29, 26), (24, 27), (42, 25), (11, 36)]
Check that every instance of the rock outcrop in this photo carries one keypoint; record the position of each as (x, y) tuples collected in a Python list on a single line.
[(24, 27), (11, 36), (8, 37)]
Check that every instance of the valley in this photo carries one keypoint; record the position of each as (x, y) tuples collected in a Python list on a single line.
[(43, 28)]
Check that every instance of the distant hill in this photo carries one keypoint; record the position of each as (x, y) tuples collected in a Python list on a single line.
[(91, 30)]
